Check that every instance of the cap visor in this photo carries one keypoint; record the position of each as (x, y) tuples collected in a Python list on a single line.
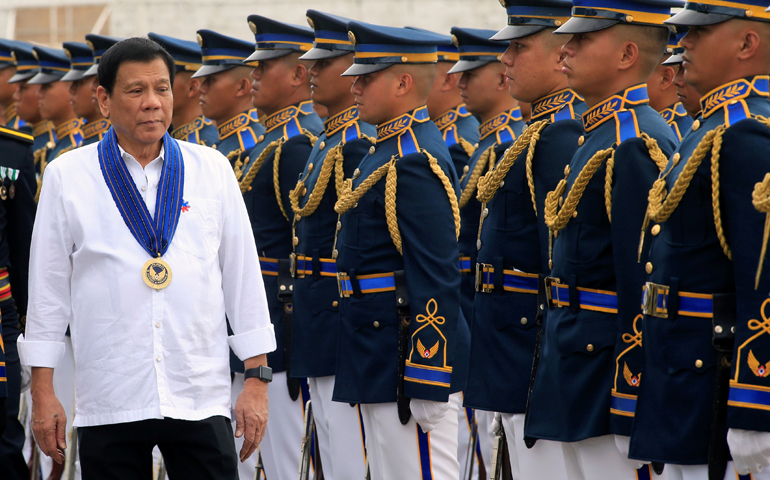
[(674, 60), (20, 77), (321, 53), (268, 54), (687, 18), (512, 32), (207, 70), (92, 70), (44, 78), (363, 69), (466, 65), (585, 25), (73, 76)]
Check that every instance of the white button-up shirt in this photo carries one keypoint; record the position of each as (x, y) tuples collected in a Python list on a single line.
[(142, 353)]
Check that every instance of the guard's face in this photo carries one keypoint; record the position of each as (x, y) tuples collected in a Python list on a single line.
[(373, 94), (478, 87), (586, 62), (27, 106), (217, 95), (141, 103), (82, 99), (7, 89), (687, 95), (185, 89), (532, 66), (708, 49), (268, 88), (54, 101), (327, 86)]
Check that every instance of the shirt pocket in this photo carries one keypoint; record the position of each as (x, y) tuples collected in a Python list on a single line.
[(362, 225), (690, 220), (199, 230)]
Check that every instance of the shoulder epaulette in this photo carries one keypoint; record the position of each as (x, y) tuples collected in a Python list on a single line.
[(16, 135)]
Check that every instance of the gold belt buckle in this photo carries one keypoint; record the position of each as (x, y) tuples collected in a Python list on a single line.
[(293, 265), (481, 269), (552, 281), (651, 293), (341, 277)]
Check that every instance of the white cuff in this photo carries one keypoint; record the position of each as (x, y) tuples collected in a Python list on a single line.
[(39, 354), (253, 343)]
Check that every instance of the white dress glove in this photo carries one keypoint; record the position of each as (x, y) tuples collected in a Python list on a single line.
[(750, 450), (623, 442), (497, 423), (428, 413)]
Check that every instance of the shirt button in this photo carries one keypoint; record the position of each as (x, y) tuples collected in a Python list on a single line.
[(648, 267), (376, 324), (372, 150), (157, 325), (144, 188), (698, 363), (158, 359), (335, 304), (655, 229), (590, 347), (524, 321)]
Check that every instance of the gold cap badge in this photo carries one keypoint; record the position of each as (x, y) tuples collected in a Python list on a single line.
[(200, 39), (90, 44), (253, 27), (310, 22), (352, 37), (455, 41)]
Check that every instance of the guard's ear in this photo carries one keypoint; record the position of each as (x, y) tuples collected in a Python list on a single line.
[(405, 84), (629, 56)]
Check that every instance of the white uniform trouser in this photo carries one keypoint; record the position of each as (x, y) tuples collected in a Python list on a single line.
[(598, 458), (544, 460), (283, 438), (485, 442), (340, 438), (700, 472), (398, 451)]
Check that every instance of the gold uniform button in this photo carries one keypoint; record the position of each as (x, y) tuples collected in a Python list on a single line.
[(566, 170), (581, 140), (322, 145), (655, 229), (561, 201), (648, 267), (589, 348), (335, 304), (475, 145), (478, 244), (310, 167), (485, 213), (695, 125), (698, 363), (371, 150), (261, 137), (339, 226), (356, 172), (676, 157), (297, 217), (376, 324), (574, 214), (524, 321), (295, 241), (466, 169), (335, 254), (502, 183), (404, 59)]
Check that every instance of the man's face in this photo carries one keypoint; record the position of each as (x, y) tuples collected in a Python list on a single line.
[(585, 62), (478, 87), (373, 93), (327, 86), (270, 78), (530, 67), (185, 89), (217, 95), (27, 105), (687, 95), (141, 103), (54, 100), (707, 50), (82, 99), (7, 89)]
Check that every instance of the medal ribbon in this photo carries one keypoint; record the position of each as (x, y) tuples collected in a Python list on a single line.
[(154, 235), (13, 174)]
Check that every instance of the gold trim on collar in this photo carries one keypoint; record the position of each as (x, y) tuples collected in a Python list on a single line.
[(340, 121), (280, 118), (185, 130), (733, 91), (68, 127), (448, 118), (233, 125), (96, 128), (553, 103), (42, 128), (491, 126)]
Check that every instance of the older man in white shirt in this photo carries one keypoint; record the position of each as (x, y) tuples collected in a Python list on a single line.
[(142, 245)]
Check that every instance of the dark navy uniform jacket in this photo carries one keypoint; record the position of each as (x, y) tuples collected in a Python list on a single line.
[(316, 297), (495, 136), (239, 135), (44, 140), (270, 220), (512, 238), (460, 130), (678, 119), (203, 132), (367, 354), (93, 132), (674, 409), (574, 390), (69, 136)]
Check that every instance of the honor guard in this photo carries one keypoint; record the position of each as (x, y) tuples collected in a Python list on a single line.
[(446, 108), (705, 301), (81, 59), (662, 89), (17, 215), (590, 361), (315, 326), (8, 89), (402, 336), (225, 93), (688, 97), (55, 103), (28, 104), (281, 89), (188, 122), (512, 249)]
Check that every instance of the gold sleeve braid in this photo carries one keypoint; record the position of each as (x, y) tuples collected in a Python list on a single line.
[(485, 160), (760, 198), (331, 162), (276, 169), (245, 181), (469, 149)]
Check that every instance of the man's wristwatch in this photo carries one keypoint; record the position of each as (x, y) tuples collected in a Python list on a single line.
[(263, 373)]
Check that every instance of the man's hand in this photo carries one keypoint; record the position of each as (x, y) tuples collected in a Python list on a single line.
[(49, 424), (251, 416), (428, 413), (750, 450)]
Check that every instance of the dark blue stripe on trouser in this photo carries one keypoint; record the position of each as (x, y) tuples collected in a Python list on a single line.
[(423, 442), (268, 267), (363, 429), (624, 404), (743, 395), (370, 283), (644, 473)]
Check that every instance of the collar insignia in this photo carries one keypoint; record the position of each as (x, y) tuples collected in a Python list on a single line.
[(636, 95)]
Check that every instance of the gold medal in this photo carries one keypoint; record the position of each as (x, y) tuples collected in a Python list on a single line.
[(3, 193), (156, 273), (12, 191)]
